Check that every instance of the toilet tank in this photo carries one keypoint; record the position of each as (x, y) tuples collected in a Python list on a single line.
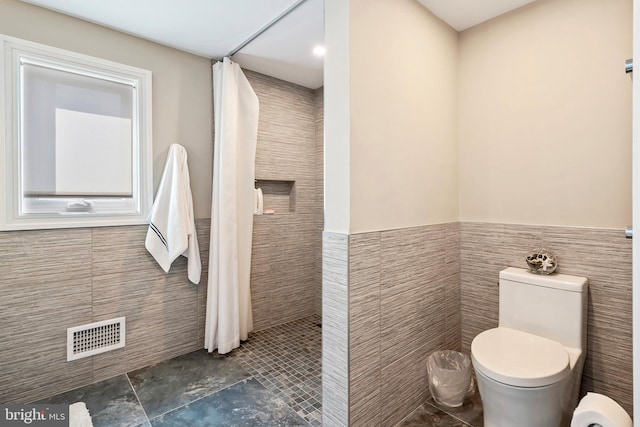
[(552, 306)]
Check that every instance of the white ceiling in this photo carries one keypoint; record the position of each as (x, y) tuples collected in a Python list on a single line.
[(214, 28), (463, 14)]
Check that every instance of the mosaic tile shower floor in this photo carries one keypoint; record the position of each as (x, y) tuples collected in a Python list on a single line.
[(286, 359)]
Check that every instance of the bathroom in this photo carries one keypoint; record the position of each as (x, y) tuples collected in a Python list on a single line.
[(502, 138), (523, 151)]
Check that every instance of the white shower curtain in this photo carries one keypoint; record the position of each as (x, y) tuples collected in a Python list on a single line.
[(229, 317)]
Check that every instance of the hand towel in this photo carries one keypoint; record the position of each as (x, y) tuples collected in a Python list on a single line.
[(259, 202), (172, 228)]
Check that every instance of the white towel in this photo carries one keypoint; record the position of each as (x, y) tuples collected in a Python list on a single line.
[(79, 415), (172, 228), (259, 202)]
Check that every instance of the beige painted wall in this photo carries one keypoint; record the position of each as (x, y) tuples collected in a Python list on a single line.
[(390, 85), (403, 163), (545, 115), (336, 117), (181, 84)]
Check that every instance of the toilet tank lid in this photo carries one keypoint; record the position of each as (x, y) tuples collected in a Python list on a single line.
[(557, 281), (518, 358)]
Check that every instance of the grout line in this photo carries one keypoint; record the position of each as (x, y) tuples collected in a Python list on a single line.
[(433, 405), (138, 398), (93, 309), (202, 397), (263, 355), (410, 415)]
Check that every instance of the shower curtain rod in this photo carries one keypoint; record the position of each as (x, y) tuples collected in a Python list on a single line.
[(265, 28)]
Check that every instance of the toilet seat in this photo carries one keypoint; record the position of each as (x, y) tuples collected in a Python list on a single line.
[(518, 358)]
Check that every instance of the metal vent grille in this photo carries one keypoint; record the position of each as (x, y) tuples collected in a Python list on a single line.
[(95, 338)]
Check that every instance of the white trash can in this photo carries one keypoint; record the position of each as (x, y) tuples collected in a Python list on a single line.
[(449, 377)]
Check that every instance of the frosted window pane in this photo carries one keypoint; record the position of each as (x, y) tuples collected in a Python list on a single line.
[(93, 154), (47, 90)]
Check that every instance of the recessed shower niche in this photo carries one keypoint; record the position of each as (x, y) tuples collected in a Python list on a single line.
[(278, 195)]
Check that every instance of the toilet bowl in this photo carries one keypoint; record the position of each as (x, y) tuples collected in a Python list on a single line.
[(528, 369)]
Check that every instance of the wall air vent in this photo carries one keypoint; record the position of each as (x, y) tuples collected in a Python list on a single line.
[(95, 338)]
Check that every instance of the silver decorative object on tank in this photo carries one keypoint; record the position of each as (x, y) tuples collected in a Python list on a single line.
[(542, 261)]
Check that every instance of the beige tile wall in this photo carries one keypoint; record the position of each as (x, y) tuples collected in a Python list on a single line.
[(364, 327), (601, 255), (403, 303), (412, 291), (335, 330), (287, 246), (418, 283), (51, 280), (319, 207)]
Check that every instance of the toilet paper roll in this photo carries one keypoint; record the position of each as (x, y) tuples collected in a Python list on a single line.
[(601, 410)]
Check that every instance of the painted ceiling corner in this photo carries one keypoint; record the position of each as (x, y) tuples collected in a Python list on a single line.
[(213, 29)]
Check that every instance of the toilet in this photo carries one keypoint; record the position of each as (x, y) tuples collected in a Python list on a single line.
[(528, 369)]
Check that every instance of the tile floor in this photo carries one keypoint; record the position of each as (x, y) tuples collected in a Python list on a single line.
[(286, 359), (273, 379)]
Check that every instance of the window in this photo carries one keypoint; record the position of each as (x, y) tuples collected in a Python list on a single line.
[(75, 139)]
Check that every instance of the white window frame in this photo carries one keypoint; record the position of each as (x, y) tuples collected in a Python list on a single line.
[(103, 211)]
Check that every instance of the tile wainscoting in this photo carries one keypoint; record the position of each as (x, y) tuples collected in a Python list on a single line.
[(390, 299), (51, 280), (335, 330), (393, 297), (601, 255)]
